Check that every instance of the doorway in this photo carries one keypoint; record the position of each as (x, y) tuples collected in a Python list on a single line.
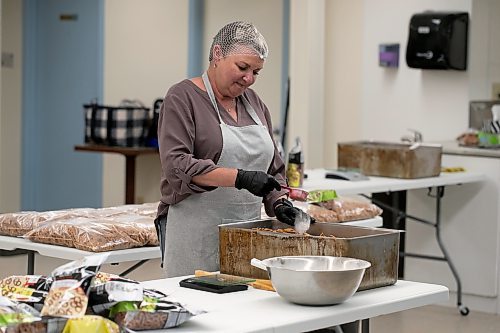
[(62, 70)]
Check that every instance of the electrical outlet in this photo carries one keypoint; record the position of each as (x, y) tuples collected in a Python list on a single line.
[(7, 60), (495, 91)]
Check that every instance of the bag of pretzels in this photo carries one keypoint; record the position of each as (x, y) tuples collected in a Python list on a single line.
[(90, 324), (29, 289), (109, 289), (68, 294), (13, 313), (156, 311), (343, 209), (150, 314)]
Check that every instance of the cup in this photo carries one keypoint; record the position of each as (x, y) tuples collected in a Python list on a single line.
[(495, 111)]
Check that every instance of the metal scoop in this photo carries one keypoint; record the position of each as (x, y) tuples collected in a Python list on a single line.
[(302, 222)]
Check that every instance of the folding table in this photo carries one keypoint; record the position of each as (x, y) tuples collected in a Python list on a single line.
[(256, 310), (316, 179), (141, 254)]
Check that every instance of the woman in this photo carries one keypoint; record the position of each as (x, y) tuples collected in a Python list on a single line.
[(219, 161)]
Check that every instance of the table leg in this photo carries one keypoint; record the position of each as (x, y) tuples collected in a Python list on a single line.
[(31, 262), (133, 267), (437, 225), (358, 326), (129, 179), (463, 309), (394, 218), (365, 325)]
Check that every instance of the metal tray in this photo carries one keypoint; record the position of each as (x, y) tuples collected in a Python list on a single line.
[(240, 242)]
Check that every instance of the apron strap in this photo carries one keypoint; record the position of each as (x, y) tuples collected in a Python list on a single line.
[(246, 103), (161, 229), (211, 95), (251, 110)]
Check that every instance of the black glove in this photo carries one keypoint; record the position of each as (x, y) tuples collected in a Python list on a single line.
[(286, 213), (256, 182)]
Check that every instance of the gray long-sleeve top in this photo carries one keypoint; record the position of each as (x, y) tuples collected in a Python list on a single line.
[(190, 141)]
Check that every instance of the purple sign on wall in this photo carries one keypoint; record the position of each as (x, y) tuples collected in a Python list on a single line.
[(388, 55)]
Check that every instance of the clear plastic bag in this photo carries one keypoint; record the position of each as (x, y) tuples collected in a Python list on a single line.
[(343, 209), (90, 234), (321, 214), (154, 314), (146, 209), (12, 313), (17, 224), (68, 294)]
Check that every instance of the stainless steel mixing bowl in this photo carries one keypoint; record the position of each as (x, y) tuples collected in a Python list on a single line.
[(314, 280)]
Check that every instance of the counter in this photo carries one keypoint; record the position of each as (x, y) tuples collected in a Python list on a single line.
[(452, 148)]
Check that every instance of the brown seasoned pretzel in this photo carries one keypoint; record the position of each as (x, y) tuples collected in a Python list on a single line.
[(65, 302), (142, 320)]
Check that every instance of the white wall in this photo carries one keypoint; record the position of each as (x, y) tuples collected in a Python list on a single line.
[(343, 75), (307, 79), (360, 99), (10, 108), (268, 18), (433, 102), (494, 42), (485, 44), (145, 52)]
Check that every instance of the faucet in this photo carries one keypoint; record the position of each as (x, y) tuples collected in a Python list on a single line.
[(416, 137)]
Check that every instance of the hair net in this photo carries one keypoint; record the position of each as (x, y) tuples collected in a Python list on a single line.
[(240, 38)]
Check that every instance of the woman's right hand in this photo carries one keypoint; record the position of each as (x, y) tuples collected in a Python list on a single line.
[(256, 182), (286, 213)]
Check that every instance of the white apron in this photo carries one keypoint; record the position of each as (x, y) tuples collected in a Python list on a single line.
[(192, 235)]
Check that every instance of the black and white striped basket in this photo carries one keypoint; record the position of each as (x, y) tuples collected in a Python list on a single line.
[(125, 125), (495, 126)]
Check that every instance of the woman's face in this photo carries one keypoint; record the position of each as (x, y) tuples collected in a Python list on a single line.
[(237, 72)]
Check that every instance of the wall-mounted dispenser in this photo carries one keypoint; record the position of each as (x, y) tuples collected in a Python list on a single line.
[(438, 40)]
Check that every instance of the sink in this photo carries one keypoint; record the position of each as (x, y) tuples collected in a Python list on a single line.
[(391, 159)]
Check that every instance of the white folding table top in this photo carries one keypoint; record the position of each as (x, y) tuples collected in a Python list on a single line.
[(55, 251), (316, 181), (264, 311)]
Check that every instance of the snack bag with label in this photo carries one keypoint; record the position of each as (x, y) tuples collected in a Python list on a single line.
[(68, 294)]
